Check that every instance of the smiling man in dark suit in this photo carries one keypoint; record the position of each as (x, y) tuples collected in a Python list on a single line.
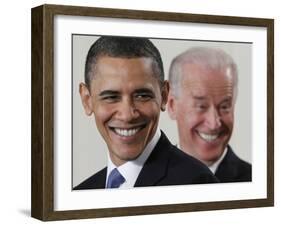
[(125, 91), (202, 100)]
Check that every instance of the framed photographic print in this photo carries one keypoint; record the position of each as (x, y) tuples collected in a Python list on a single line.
[(68, 147)]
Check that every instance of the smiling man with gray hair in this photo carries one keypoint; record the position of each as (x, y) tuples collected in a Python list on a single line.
[(204, 87)]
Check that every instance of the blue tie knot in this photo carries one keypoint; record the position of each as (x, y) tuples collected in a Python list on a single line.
[(115, 179)]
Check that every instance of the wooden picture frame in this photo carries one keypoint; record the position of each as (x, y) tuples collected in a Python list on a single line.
[(43, 108)]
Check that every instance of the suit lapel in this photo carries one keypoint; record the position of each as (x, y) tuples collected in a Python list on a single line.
[(101, 179), (227, 167), (155, 168)]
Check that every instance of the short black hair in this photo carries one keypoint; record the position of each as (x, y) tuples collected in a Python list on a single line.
[(124, 47)]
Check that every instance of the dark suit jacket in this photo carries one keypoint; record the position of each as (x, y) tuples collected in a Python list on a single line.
[(233, 169), (166, 165)]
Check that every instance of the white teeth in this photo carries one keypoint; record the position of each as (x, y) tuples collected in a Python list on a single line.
[(208, 137), (126, 132)]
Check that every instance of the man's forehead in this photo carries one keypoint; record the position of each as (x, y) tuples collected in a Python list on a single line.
[(205, 69), (199, 90), (207, 79), (117, 84), (107, 65)]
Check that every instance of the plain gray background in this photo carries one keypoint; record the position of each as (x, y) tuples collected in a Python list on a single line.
[(89, 149)]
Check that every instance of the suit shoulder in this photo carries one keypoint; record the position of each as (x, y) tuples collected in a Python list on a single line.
[(93, 182), (188, 166), (244, 171), (234, 169), (243, 165), (181, 157)]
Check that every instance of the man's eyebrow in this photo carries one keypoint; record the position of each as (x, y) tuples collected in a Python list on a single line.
[(227, 99), (108, 93), (199, 97), (144, 90)]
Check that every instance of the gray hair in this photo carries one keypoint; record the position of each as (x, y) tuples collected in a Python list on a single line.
[(206, 57)]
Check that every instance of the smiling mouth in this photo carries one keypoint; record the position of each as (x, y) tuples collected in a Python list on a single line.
[(208, 137), (127, 132)]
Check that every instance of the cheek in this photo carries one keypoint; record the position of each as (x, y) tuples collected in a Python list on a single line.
[(189, 120), (150, 109), (102, 114), (228, 121)]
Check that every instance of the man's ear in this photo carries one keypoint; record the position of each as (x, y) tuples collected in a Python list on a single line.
[(86, 98), (172, 106), (164, 93)]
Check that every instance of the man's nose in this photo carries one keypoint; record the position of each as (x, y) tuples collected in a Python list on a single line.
[(213, 119), (127, 110)]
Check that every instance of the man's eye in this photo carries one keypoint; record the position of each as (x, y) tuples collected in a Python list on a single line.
[(110, 99), (225, 107), (143, 96), (201, 107)]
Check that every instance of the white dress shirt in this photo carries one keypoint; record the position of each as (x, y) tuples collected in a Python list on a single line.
[(131, 169), (213, 167)]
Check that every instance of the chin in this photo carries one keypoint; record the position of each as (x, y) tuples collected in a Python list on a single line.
[(211, 155), (131, 154)]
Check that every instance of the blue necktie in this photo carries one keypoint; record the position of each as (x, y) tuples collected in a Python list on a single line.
[(115, 179)]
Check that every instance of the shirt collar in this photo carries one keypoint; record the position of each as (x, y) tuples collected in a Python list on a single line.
[(216, 164), (131, 169)]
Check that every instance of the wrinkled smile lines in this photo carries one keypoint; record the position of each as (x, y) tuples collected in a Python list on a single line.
[(127, 132), (208, 137)]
